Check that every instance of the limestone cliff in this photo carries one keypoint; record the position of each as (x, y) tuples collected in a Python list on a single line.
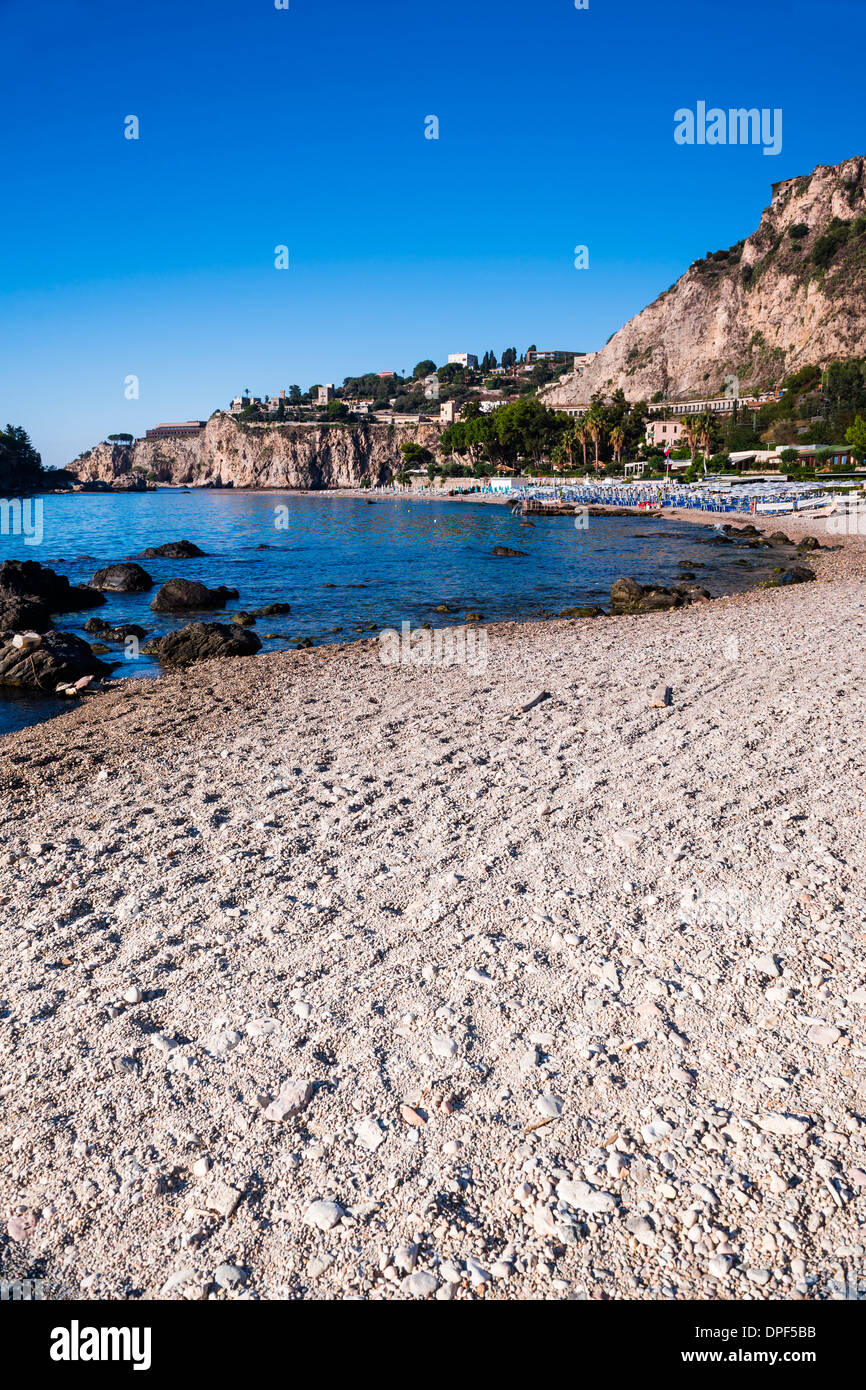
[(228, 453), (791, 294)]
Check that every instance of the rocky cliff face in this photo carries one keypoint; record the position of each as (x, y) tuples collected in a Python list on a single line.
[(791, 294), (228, 453)]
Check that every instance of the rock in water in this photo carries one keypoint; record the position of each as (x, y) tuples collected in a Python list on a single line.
[(506, 550), (203, 642), (127, 578), (59, 659), (172, 550), (178, 595), (628, 596), (30, 593)]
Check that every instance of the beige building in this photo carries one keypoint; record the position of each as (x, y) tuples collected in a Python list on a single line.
[(664, 432), (448, 412), (326, 393)]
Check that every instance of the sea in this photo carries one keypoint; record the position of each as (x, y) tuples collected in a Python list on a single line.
[(350, 567)]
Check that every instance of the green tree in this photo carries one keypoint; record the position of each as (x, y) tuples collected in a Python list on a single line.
[(855, 435), (425, 368)]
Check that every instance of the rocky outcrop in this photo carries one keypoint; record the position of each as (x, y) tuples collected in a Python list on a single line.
[(172, 550), (203, 642), (186, 595), (30, 593), (56, 659), (127, 578), (228, 453), (628, 596), (782, 299)]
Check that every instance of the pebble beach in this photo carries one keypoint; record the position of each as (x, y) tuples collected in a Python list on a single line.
[(328, 979)]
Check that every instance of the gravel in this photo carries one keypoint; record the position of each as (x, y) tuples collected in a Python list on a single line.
[(300, 996)]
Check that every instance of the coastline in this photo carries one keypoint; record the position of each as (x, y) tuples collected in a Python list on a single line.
[(384, 882)]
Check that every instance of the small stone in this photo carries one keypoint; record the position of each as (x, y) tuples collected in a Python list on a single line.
[(222, 1198), (201, 1167), (783, 1125), (230, 1276), (550, 1106), (823, 1036), (720, 1266), (583, 1197), (443, 1046), (370, 1134), (660, 697), (133, 995), (294, 1096), (406, 1257), (411, 1117), (22, 1225), (759, 1276), (420, 1284), (323, 1214)]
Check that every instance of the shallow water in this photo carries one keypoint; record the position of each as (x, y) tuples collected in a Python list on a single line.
[(342, 563)]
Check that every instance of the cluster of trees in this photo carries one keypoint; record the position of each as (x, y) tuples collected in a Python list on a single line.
[(526, 433), (20, 464)]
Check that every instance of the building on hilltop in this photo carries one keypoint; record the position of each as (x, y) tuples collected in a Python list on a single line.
[(463, 359), (182, 427), (326, 393)]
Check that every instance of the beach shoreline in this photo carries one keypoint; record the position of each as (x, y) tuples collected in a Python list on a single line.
[(579, 992)]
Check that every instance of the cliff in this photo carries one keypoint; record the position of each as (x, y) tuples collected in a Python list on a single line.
[(790, 295), (228, 453)]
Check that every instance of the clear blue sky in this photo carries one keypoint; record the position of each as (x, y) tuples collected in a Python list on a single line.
[(305, 127)]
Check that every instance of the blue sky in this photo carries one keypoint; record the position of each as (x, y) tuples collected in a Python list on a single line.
[(305, 127)]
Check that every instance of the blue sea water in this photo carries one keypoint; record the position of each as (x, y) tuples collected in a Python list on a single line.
[(345, 564)]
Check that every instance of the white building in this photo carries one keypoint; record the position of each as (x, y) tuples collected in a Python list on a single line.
[(448, 412), (463, 359)]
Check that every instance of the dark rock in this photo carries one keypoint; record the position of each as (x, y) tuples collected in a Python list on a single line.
[(582, 613), (126, 578), (59, 658), (692, 593), (506, 550), (794, 574), (202, 642), (29, 593), (748, 530), (172, 550), (178, 595), (99, 648), (243, 619), (20, 613), (687, 574), (270, 610), (628, 596), (779, 538), (809, 543), (100, 628)]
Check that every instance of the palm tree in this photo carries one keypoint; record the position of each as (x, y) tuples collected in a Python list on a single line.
[(691, 432), (705, 434), (581, 433), (617, 439), (595, 426)]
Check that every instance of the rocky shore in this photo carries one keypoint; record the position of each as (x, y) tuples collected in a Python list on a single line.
[(321, 978)]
